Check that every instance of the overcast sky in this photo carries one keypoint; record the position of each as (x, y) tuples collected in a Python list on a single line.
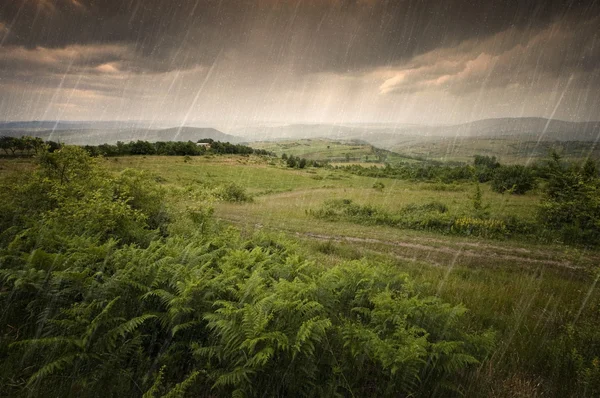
[(252, 61)]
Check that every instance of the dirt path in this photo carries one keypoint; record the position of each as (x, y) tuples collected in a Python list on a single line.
[(462, 251), (426, 246)]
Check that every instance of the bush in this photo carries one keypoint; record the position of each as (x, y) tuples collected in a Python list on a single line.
[(70, 194), (232, 193), (432, 216), (479, 227), (378, 186), (571, 203), (516, 179)]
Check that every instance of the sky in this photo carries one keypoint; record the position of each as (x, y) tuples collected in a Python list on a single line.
[(201, 62)]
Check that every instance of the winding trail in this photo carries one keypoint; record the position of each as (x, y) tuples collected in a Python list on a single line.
[(425, 249)]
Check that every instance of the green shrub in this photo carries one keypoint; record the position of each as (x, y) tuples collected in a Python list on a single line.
[(432, 216), (70, 194), (232, 193), (515, 179), (571, 203), (378, 186)]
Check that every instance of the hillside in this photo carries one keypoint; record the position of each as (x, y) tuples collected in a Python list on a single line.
[(515, 140), (330, 150), (110, 136), (518, 128)]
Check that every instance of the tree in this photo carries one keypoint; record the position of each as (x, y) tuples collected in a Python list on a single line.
[(486, 161), (8, 144), (291, 162)]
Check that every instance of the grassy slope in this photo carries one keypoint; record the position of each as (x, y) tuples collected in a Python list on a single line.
[(527, 292), (331, 150), (508, 150), (461, 149)]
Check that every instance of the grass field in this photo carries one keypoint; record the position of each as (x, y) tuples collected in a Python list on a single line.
[(508, 150), (334, 151), (541, 299), (414, 149)]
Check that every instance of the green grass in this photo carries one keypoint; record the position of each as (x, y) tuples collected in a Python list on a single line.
[(334, 151), (508, 151), (288, 193)]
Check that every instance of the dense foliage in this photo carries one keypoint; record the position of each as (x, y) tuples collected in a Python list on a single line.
[(173, 148), (296, 162), (27, 145), (571, 205), (104, 294), (514, 178)]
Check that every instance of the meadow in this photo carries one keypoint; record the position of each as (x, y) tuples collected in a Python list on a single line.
[(332, 151), (512, 150), (537, 298), (535, 295)]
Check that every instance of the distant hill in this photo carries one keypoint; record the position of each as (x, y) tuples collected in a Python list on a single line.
[(100, 136), (382, 135), (537, 128), (330, 150), (72, 125), (313, 131), (387, 135)]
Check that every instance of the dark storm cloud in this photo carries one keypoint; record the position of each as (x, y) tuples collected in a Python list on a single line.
[(296, 59), (514, 56), (315, 35)]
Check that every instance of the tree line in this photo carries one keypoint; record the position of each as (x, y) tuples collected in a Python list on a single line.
[(515, 179), (296, 162), (26, 146)]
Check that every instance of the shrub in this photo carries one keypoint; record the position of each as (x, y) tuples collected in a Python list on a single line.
[(237, 318), (232, 193), (516, 179), (479, 227), (571, 203), (378, 186), (70, 194), (432, 216)]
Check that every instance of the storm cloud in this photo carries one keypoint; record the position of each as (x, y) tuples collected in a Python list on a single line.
[(299, 60)]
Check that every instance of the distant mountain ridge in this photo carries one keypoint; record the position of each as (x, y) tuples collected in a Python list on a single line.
[(546, 129), (100, 136), (381, 135), (386, 135), (72, 125)]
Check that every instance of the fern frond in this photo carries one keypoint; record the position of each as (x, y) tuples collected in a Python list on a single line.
[(179, 390)]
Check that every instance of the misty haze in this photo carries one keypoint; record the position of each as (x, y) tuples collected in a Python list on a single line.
[(260, 198)]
